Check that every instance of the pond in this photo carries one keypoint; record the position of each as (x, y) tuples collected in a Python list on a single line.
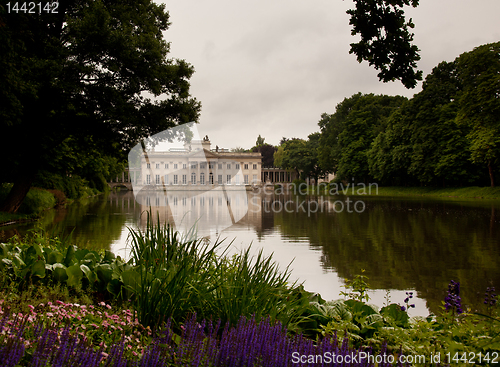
[(402, 244)]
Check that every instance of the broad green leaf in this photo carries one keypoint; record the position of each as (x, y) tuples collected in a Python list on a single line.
[(38, 250), (70, 256), (81, 253), (38, 269), (59, 272), (29, 256), (4, 249), (91, 276), (18, 263), (394, 313), (75, 275), (104, 272), (92, 257), (108, 256), (55, 257), (114, 287)]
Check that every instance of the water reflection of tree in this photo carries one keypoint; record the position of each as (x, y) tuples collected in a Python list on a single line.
[(407, 244), (94, 223)]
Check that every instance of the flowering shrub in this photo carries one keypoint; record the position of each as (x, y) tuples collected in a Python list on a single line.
[(88, 325)]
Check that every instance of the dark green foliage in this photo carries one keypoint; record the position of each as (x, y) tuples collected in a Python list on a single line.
[(74, 83), (385, 39), (444, 136), (267, 151), (301, 156), (479, 104), (348, 134)]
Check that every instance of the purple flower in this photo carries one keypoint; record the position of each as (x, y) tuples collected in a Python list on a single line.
[(452, 301)]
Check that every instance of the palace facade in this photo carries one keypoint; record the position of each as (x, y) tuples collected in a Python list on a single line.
[(196, 165)]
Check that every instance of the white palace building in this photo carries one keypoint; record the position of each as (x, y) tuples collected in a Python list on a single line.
[(195, 167)]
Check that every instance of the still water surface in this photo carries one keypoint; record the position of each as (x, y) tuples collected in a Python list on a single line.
[(403, 244)]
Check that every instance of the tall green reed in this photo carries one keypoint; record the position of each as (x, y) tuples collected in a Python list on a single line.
[(251, 286), (175, 276), (171, 273)]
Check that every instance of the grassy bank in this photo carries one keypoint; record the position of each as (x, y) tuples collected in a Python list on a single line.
[(473, 192), (36, 201)]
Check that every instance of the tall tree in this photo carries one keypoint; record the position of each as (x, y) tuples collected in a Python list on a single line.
[(348, 134), (85, 72), (260, 141), (267, 151), (385, 39), (331, 126), (479, 72), (301, 156)]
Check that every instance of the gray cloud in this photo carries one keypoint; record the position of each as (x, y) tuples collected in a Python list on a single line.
[(273, 67)]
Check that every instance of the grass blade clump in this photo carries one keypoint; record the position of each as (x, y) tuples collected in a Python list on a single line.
[(175, 276), (171, 272)]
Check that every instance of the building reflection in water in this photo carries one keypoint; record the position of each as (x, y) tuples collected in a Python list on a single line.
[(207, 212)]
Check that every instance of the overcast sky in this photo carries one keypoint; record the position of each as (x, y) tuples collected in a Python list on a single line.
[(273, 67)]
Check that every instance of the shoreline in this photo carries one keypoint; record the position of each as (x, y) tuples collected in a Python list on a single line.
[(471, 192)]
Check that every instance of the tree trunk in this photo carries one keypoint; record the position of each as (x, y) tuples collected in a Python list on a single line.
[(490, 170), (18, 192)]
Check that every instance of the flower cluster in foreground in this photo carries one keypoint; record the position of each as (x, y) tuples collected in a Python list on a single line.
[(70, 335)]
